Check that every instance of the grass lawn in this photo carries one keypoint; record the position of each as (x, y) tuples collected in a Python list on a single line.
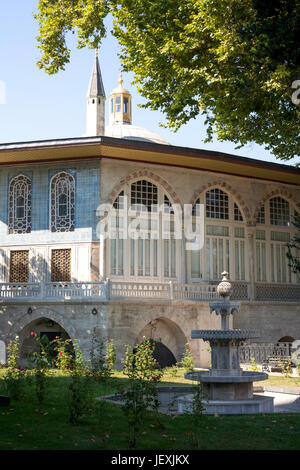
[(25, 426)]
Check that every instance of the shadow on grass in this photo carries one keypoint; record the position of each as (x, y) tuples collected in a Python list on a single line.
[(25, 425)]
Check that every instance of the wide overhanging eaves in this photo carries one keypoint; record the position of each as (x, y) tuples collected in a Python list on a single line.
[(123, 149)]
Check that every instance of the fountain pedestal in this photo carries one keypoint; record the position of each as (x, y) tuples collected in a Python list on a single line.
[(228, 388)]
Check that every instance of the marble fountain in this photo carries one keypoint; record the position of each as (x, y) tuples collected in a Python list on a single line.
[(228, 388)]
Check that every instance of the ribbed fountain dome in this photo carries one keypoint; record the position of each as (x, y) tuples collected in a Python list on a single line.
[(131, 132)]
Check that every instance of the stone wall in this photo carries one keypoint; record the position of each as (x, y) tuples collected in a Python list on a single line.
[(127, 321), (274, 320)]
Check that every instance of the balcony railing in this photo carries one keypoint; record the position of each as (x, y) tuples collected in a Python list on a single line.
[(115, 290), (261, 351)]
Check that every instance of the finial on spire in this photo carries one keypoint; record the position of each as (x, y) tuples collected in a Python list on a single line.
[(120, 104)]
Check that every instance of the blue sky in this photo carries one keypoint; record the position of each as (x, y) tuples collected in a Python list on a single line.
[(38, 106)]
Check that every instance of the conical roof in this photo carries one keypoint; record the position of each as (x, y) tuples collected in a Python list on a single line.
[(96, 87)]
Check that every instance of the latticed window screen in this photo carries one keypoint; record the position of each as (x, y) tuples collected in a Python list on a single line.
[(19, 206), (61, 265), (62, 199), (19, 266)]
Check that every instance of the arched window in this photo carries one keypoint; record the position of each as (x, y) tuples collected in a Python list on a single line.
[(224, 239), (62, 202), (142, 241), (279, 212), (274, 231), (19, 210)]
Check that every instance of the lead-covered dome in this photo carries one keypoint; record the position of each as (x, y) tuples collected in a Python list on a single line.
[(128, 131)]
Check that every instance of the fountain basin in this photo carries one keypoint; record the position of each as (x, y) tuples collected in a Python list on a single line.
[(208, 377), (210, 335), (257, 404)]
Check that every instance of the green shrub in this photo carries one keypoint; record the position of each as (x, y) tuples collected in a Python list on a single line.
[(187, 361), (144, 374)]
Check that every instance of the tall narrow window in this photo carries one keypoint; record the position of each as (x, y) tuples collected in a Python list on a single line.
[(261, 250), (125, 105), (261, 217), (118, 104), (144, 198), (275, 232), (19, 210), (62, 200)]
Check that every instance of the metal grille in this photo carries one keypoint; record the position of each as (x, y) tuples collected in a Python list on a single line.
[(61, 265), (19, 207), (62, 200), (19, 266)]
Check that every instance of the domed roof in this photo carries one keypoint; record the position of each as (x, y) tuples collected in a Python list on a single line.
[(120, 89), (131, 132)]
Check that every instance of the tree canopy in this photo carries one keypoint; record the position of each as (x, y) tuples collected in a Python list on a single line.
[(236, 62), (293, 253)]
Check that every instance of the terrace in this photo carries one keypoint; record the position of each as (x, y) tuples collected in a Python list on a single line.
[(123, 290)]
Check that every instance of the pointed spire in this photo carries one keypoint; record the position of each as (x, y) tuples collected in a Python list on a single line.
[(96, 87), (96, 102)]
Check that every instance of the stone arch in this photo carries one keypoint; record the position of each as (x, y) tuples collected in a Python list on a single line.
[(286, 339), (138, 174), (167, 333), (44, 312), (44, 321), (226, 188), (276, 192)]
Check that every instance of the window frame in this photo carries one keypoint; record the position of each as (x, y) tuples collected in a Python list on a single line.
[(156, 247), (12, 207), (277, 272), (68, 221), (231, 243)]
